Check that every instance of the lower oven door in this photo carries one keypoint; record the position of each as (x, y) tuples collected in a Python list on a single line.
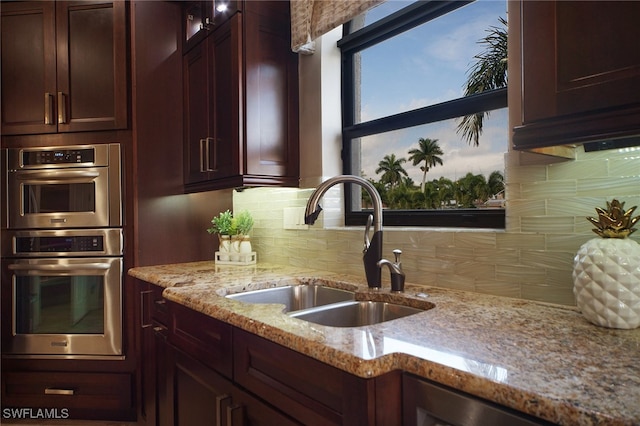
[(69, 306)]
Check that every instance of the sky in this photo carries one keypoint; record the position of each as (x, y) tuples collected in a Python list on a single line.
[(425, 66)]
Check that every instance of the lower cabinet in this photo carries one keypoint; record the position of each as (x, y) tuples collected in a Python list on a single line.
[(198, 395), (196, 370)]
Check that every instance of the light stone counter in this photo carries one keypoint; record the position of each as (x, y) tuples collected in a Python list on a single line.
[(541, 359)]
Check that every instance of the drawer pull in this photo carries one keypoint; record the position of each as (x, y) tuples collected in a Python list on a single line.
[(235, 415), (48, 108), (62, 109), (223, 402), (57, 391)]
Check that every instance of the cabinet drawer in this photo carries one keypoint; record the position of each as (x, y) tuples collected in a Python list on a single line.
[(308, 390), (153, 307), (84, 395), (202, 337)]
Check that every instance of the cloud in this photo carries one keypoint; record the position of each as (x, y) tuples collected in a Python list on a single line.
[(459, 158)]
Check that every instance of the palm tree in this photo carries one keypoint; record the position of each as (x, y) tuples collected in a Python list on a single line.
[(496, 183), (489, 72), (428, 152), (445, 191), (391, 169)]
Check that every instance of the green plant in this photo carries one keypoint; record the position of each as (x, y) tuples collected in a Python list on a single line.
[(223, 224), (243, 222)]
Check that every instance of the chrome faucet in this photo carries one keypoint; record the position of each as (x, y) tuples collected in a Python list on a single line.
[(372, 257)]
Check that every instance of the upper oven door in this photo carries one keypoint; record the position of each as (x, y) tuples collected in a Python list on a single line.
[(63, 195)]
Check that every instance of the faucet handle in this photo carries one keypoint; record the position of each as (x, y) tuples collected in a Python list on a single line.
[(397, 253)]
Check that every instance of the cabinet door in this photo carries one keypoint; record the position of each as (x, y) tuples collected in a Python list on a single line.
[(580, 71), (271, 90), (200, 396), (225, 154), (92, 66), (308, 390), (213, 93), (152, 337), (197, 110), (28, 68)]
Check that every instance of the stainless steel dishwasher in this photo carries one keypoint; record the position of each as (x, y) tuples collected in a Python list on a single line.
[(429, 404)]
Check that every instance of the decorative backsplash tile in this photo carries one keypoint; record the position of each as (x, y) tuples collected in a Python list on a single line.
[(531, 259)]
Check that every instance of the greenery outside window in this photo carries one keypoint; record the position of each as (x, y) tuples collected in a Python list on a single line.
[(424, 119)]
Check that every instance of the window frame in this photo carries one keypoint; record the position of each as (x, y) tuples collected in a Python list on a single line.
[(377, 32)]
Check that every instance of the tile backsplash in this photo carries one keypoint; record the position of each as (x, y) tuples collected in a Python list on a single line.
[(531, 259)]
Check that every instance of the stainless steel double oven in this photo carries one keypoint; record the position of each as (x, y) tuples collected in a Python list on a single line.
[(62, 251)]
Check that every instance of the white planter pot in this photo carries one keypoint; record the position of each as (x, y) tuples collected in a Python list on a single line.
[(225, 247), (606, 282)]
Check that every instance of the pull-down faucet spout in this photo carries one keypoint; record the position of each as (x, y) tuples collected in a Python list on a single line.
[(372, 246)]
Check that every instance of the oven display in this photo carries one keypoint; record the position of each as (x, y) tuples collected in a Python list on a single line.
[(61, 156), (59, 244)]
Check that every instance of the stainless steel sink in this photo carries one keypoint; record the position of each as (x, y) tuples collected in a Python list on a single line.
[(295, 297), (355, 314)]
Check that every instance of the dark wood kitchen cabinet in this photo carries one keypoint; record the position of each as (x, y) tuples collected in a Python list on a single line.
[(186, 369), (200, 17), (64, 66), (206, 371), (198, 395), (73, 395), (580, 72), (241, 102), (152, 333), (310, 391)]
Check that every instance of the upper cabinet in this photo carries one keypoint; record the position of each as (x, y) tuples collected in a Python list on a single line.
[(200, 17), (580, 72), (64, 66), (241, 102)]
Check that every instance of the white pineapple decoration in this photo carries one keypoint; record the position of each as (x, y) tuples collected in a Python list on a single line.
[(606, 270)]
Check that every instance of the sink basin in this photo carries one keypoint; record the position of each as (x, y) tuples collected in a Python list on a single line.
[(355, 314), (295, 297)]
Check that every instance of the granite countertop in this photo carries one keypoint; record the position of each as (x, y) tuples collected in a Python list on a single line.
[(542, 359)]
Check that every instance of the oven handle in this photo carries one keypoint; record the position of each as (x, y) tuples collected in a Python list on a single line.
[(96, 266), (56, 174)]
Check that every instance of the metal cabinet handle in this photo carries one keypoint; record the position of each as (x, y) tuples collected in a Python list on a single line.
[(48, 108), (161, 332), (203, 155), (235, 415), (62, 110), (215, 157), (222, 405), (57, 391)]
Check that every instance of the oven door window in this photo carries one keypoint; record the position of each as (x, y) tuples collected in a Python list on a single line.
[(46, 199), (59, 304), (59, 198)]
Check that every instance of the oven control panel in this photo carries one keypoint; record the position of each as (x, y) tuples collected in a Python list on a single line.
[(59, 244), (63, 243), (58, 156)]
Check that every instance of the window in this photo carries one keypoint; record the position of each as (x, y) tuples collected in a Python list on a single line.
[(405, 96)]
